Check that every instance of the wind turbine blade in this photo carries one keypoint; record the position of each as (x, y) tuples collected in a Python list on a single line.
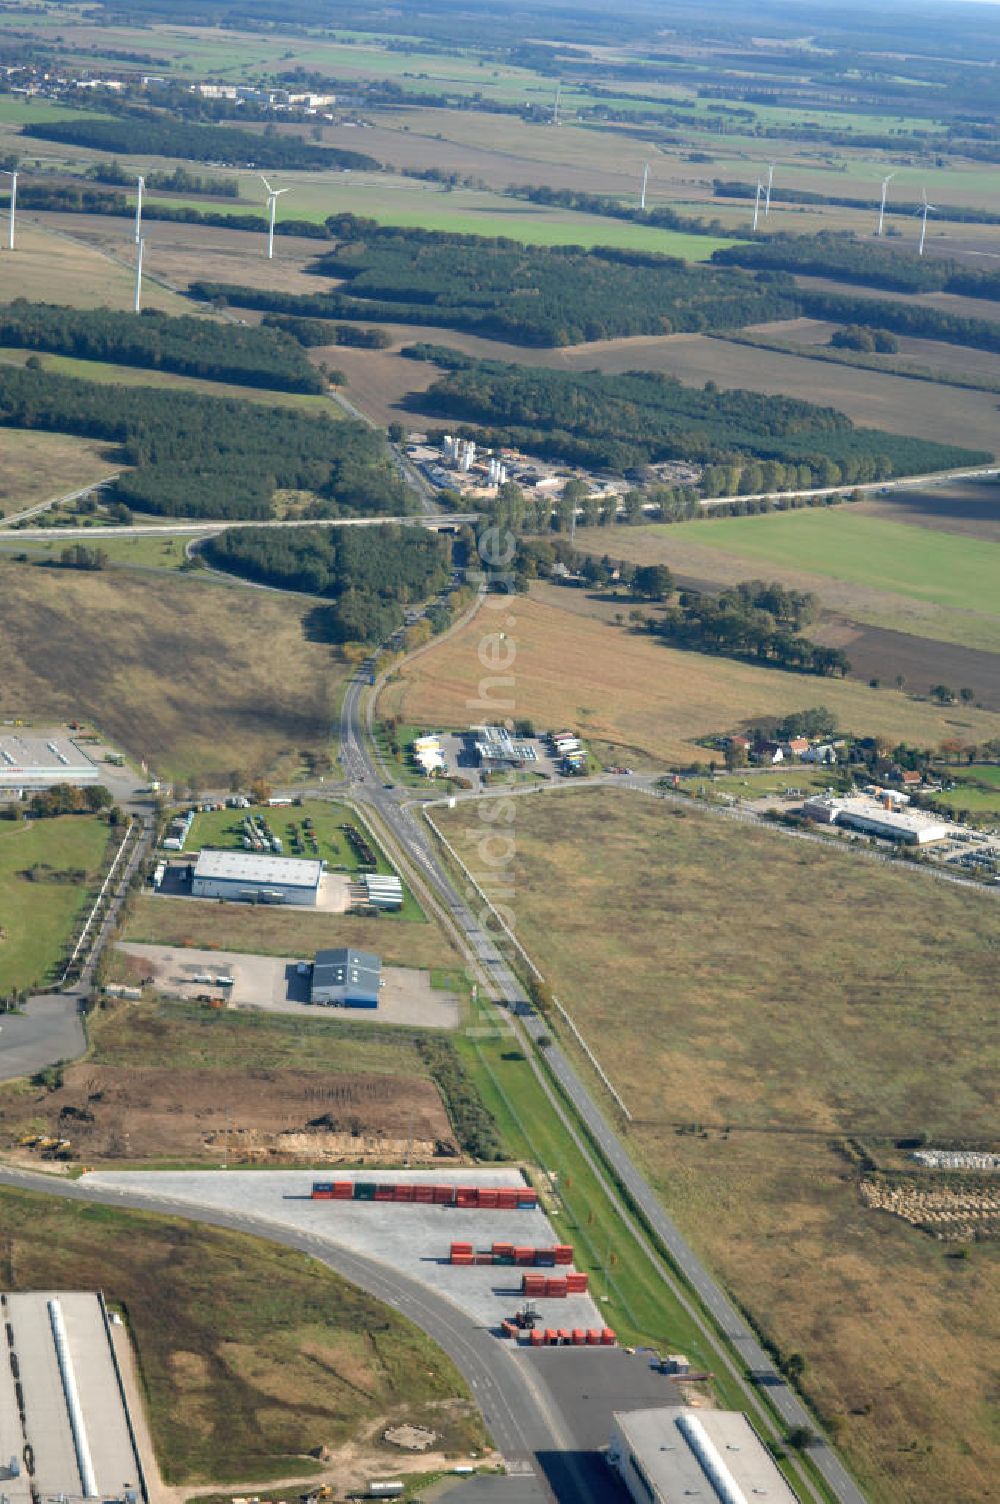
[(266, 183)]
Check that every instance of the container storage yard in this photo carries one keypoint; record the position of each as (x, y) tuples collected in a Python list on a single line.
[(409, 1219)]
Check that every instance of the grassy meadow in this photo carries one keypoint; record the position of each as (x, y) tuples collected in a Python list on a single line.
[(765, 992), (249, 1355), (633, 696), (199, 679), (48, 870), (35, 467)]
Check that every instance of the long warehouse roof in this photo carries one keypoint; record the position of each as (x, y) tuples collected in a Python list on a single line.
[(257, 867)]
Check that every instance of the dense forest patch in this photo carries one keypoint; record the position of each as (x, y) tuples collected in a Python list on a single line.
[(197, 456), (149, 135)]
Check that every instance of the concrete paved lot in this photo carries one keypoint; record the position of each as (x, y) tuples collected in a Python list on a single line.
[(412, 1239), (274, 984), (47, 1028)]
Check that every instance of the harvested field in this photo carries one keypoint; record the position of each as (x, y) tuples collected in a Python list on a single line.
[(266, 1117), (198, 679), (690, 554), (38, 467), (633, 694), (971, 509), (54, 268), (766, 1005), (286, 931), (947, 302)]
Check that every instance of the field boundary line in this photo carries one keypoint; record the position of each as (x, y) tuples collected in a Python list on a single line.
[(97, 902), (585, 1047)]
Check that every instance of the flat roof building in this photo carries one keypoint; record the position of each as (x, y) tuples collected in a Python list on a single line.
[(38, 762), (256, 877), (497, 748), (75, 1417), (878, 818), (346, 978), (672, 1455)]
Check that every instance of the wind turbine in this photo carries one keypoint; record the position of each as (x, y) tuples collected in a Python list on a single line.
[(756, 204), (273, 195), (881, 208), (555, 106), (923, 211), (12, 174), (645, 180), (138, 209), (140, 246), (770, 179)]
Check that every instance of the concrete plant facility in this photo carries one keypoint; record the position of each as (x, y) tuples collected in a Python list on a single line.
[(878, 818), (664, 1456), (39, 761), (67, 1403), (255, 877)]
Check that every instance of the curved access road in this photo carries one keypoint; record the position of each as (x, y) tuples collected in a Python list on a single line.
[(521, 1419)]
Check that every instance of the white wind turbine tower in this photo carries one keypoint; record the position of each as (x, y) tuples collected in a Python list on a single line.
[(756, 204), (273, 195), (645, 180), (555, 107), (881, 208), (138, 208), (770, 179), (140, 246), (12, 174), (923, 211)]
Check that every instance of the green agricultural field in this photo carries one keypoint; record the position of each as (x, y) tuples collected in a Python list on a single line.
[(48, 870), (976, 790), (401, 201), (249, 1355), (943, 568)]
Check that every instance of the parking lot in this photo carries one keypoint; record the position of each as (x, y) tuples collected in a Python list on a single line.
[(411, 1238), (275, 984)]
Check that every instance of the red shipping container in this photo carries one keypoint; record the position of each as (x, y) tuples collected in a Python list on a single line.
[(551, 1336), (524, 1255), (555, 1288), (466, 1195), (593, 1338), (504, 1248), (462, 1258), (564, 1337), (527, 1196), (444, 1195), (343, 1190), (532, 1284), (461, 1247), (607, 1337), (402, 1193), (322, 1196), (508, 1329), (507, 1198), (576, 1284), (423, 1193), (487, 1197), (484, 1258), (383, 1193), (537, 1337), (579, 1337), (563, 1253)]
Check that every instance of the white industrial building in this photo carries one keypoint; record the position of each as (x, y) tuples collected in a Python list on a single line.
[(383, 891), (878, 817), (428, 752), (39, 762), (672, 1455), (346, 978), (73, 1412), (256, 877)]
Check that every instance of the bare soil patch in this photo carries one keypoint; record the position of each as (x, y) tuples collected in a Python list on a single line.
[(247, 1116), (973, 509)]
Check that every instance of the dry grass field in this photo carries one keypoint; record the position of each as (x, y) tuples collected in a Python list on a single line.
[(37, 466), (632, 694), (286, 932), (766, 991), (197, 678)]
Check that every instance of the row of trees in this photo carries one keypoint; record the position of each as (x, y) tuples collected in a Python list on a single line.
[(318, 332), (370, 573), (197, 456), (157, 341), (67, 799), (738, 624), (863, 261), (142, 133), (179, 180), (641, 417)]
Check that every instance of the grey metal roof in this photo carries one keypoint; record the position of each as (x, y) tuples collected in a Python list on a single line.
[(357, 970), (257, 867)]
